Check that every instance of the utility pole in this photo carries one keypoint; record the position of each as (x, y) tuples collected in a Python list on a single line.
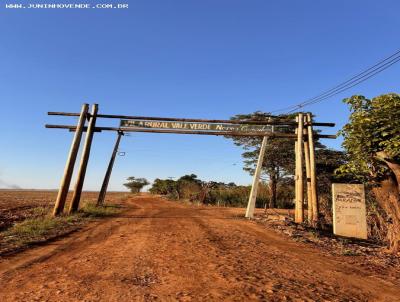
[(103, 191)]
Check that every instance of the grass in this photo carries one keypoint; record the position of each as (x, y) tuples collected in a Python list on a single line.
[(36, 229), (40, 211), (44, 226)]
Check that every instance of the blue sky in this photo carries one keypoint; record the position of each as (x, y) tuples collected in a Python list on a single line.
[(199, 59)]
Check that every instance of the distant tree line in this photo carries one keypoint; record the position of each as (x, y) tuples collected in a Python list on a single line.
[(191, 188)]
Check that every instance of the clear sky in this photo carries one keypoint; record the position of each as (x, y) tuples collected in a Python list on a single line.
[(189, 58)]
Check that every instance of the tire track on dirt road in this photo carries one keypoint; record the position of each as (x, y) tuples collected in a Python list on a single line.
[(69, 271), (273, 269)]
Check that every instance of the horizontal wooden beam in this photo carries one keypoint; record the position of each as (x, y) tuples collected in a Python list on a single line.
[(223, 133), (273, 121)]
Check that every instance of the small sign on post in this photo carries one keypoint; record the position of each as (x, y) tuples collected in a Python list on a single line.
[(349, 213)]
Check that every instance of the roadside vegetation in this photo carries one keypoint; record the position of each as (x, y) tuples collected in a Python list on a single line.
[(372, 145)]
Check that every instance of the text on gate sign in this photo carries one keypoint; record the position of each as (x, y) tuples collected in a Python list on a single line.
[(194, 126)]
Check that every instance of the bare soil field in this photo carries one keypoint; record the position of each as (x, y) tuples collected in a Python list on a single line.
[(159, 250), (17, 206)]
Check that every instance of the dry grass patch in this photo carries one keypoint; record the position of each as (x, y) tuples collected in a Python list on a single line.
[(90, 210), (43, 227)]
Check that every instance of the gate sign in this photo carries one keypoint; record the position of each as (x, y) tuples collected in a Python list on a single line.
[(349, 214), (190, 126)]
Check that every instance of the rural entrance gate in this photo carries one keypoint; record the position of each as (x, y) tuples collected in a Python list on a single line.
[(300, 130)]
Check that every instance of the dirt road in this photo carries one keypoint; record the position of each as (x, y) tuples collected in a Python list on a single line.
[(162, 251)]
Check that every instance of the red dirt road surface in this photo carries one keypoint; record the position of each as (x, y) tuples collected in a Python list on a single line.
[(163, 251)]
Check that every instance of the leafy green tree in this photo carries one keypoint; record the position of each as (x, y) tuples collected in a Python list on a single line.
[(327, 161), (135, 184), (189, 187), (164, 187), (189, 178), (372, 142), (279, 156)]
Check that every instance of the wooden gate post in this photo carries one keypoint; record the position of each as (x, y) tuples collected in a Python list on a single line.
[(103, 191), (69, 166), (256, 179), (308, 175), (313, 172), (84, 161), (299, 171)]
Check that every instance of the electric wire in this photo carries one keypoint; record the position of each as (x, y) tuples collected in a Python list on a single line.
[(353, 81)]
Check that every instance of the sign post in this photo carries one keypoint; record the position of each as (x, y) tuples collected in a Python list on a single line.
[(349, 213)]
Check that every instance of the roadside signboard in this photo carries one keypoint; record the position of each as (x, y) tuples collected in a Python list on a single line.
[(171, 125), (349, 213)]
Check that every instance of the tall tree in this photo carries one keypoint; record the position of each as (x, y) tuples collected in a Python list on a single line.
[(164, 187), (188, 186), (278, 158), (372, 142)]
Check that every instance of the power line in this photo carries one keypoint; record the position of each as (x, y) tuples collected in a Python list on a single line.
[(353, 81), (357, 77), (348, 86)]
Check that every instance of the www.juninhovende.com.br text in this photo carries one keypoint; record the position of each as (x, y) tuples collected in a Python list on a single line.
[(66, 6)]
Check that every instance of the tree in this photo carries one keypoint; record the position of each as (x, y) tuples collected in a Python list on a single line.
[(189, 186), (135, 184), (327, 161), (372, 142), (164, 187), (279, 155)]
